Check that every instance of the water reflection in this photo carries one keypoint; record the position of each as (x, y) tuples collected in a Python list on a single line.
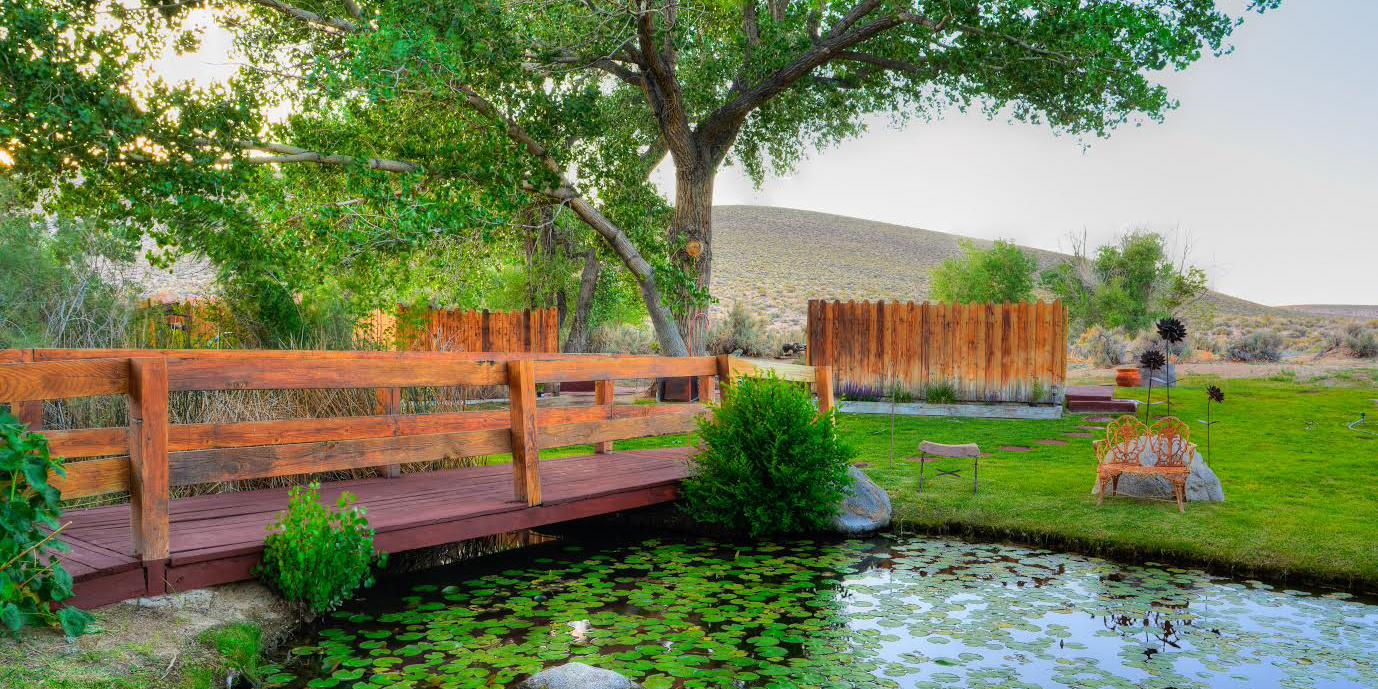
[(888, 612)]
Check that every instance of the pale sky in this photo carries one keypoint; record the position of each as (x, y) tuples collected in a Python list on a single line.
[(1270, 166)]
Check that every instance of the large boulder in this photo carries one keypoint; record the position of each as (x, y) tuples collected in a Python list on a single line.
[(577, 676), (864, 509), (1202, 483)]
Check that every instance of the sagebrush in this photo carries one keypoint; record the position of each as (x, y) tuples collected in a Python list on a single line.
[(770, 462), (1261, 347)]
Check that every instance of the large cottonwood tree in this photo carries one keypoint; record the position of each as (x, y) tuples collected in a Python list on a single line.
[(410, 119)]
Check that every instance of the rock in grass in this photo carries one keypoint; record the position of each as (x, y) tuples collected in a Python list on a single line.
[(1202, 483), (864, 509), (577, 676)]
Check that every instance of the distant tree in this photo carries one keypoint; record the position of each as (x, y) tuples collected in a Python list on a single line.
[(1127, 284), (1001, 273)]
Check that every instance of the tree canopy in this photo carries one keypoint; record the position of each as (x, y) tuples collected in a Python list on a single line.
[(998, 274), (357, 135)]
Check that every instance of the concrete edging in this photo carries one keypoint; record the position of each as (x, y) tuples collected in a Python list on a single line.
[(999, 410)]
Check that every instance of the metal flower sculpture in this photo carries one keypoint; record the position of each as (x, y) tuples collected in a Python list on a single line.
[(1213, 394), (1173, 333), (1151, 360)]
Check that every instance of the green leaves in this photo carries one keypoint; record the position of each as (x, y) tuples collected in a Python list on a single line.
[(318, 556), (32, 578)]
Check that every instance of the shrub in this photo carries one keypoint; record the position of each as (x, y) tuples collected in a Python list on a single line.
[(1363, 345), (940, 393), (1262, 346), (770, 463), (32, 579), (741, 330), (1104, 347), (318, 556), (619, 338), (1002, 273)]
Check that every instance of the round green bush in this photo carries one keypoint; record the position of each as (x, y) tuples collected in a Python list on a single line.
[(317, 556), (769, 463)]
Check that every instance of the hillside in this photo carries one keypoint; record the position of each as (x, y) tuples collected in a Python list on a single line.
[(776, 259), (1349, 310)]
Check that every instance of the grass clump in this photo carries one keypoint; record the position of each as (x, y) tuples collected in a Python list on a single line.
[(769, 464), (942, 392), (317, 556)]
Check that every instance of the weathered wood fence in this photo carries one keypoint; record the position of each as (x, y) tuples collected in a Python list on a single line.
[(152, 455), (457, 330), (986, 352)]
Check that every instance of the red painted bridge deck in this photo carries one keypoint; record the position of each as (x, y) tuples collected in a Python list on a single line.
[(218, 538)]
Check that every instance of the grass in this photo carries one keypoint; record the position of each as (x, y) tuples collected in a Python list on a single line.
[(1301, 490)]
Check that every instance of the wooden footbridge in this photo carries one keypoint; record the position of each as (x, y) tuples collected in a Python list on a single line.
[(156, 543)]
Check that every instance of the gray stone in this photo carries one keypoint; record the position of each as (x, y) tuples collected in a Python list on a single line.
[(865, 507), (1202, 483), (577, 676), (1161, 377)]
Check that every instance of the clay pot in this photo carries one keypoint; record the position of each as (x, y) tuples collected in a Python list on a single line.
[(1127, 377)]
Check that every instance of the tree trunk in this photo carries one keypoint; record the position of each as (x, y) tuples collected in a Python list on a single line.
[(692, 229), (577, 342)]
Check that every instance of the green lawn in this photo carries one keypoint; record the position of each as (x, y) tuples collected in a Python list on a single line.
[(1301, 490)]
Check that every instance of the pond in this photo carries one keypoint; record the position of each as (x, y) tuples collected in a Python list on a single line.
[(895, 611)]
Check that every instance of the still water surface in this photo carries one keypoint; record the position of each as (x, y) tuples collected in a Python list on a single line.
[(896, 611)]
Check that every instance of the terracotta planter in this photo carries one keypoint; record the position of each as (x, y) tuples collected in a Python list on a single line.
[(1127, 377)]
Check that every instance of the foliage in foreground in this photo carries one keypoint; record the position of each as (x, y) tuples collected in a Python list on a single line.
[(31, 578), (770, 463), (318, 556), (1002, 273)]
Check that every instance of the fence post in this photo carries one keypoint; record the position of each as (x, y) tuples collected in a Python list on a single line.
[(526, 477), (603, 395), (148, 467), (724, 374), (29, 412), (390, 404), (823, 381)]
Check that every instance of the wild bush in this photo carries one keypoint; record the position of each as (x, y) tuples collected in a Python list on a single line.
[(317, 556), (622, 338), (1362, 344), (1002, 273), (1104, 347), (32, 578), (744, 331), (1261, 346), (770, 463)]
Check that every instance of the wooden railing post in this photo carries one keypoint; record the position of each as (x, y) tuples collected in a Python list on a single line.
[(526, 477), (148, 466), (390, 404), (603, 395), (823, 383), (724, 373)]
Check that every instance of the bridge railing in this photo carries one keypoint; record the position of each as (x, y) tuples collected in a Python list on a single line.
[(151, 456)]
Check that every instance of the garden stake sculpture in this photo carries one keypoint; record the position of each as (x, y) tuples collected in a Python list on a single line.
[(1173, 332), (1151, 360), (1213, 394)]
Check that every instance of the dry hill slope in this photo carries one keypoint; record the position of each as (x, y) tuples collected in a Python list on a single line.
[(776, 259)]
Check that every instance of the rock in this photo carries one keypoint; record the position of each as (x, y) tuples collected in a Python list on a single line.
[(577, 676), (1161, 377), (1202, 483), (865, 507), (197, 599)]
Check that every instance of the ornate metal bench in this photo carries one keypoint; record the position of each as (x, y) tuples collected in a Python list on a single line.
[(1121, 452)]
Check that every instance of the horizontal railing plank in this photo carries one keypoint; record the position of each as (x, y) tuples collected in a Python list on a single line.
[(93, 477), (219, 354), (88, 442), (619, 429), (282, 374), (621, 368), (264, 461), (58, 379)]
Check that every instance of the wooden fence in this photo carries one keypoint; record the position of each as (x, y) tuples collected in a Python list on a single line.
[(456, 330), (987, 352), (152, 454)]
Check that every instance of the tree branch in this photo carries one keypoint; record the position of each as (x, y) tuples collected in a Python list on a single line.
[(293, 154), (884, 63), (662, 88), (333, 23)]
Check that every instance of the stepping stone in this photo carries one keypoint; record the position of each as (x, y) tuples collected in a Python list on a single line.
[(1014, 448), (1097, 418), (986, 454), (861, 464), (1051, 441), (1074, 434), (1092, 428)]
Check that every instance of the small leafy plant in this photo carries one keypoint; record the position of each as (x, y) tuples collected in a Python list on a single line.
[(940, 393), (770, 463), (318, 556), (32, 578)]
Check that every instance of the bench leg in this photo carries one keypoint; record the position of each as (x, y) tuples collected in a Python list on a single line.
[(1181, 491), (1100, 494), (923, 459), (975, 475)]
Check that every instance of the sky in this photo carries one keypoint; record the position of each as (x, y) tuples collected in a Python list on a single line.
[(1268, 170), (1269, 167)]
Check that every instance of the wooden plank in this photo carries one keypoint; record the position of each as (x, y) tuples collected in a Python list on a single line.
[(276, 374), (93, 477), (521, 390), (619, 429), (823, 377), (390, 404), (148, 456), (88, 442), (603, 395), (263, 461), (621, 368), (45, 380)]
